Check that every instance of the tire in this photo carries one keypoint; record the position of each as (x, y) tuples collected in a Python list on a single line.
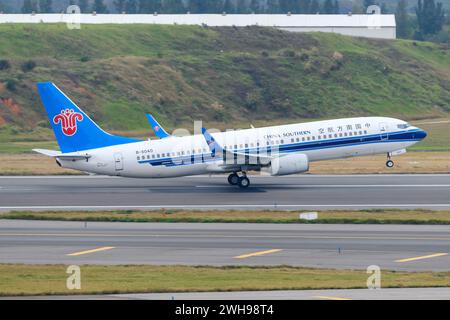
[(233, 179), (244, 182), (390, 164)]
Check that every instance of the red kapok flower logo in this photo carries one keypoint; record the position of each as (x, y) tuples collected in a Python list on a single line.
[(68, 119)]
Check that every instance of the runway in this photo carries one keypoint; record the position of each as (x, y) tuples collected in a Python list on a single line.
[(292, 192), (391, 247), (337, 294)]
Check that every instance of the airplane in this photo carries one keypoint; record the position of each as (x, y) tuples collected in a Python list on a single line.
[(277, 150)]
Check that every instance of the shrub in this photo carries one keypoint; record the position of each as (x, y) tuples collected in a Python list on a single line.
[(4, 64), (28, 66), (11, 84)]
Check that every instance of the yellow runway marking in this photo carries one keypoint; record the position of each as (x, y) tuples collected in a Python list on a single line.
[(423, 257), (90, 251), (259, 253), (331, 298)]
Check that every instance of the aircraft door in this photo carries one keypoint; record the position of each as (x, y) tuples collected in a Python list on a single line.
[(383, 131), (118, 161)]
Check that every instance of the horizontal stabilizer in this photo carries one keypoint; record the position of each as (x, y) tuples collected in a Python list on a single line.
[(63, 156), (48, 153)]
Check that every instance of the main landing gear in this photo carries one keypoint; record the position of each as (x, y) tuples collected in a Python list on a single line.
[(241, 181), (389, 162)]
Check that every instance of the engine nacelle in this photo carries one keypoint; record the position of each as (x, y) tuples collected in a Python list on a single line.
[(289, 164)]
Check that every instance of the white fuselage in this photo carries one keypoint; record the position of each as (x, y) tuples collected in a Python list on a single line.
[(190, 155)]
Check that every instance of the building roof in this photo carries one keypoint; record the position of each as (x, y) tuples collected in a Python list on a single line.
[(239, 20)]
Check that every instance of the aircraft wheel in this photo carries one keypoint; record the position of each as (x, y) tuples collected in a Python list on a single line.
[(243, 182), (233, 179), (390, 164)]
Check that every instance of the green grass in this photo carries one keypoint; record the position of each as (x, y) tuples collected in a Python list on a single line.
[(223, 76), (97, 279), (333, 217)]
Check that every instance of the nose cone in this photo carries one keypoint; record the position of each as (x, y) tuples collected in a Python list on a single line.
[(421, 134)]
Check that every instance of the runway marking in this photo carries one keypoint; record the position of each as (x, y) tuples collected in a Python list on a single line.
[(259, 253), (422, 257), (219, 206), (331, 298), (90, 251)]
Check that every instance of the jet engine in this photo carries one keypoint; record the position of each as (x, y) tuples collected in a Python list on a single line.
[(289, 164)]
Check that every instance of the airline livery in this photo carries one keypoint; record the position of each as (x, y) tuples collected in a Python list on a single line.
[(278, 150)]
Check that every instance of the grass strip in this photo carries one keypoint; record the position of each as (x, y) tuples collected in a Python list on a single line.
[(375, 216), (20, 279)]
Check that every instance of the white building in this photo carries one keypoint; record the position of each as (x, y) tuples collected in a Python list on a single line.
[(359, 25)]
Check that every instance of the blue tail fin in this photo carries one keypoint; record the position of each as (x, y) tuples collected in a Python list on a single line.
[(73, 129), (159, 131)]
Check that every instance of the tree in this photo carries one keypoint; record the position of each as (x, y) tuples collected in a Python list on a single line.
[(401, 17), (255, 6), (229, 7), (196, 6), (315, 7), (304, 6), (150, 6), (131, 6), (273, 6), (210, 6), (430, 17), (99, 6), (357, 7), (336, 7), (119, 5), (242, 7), (368, 3), (84, 5), (289, 6), (45, 6), (328, 7), (29, 6), (173, 6)]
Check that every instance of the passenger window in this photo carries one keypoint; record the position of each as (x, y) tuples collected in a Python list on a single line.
[(335, 135), (139, 158)]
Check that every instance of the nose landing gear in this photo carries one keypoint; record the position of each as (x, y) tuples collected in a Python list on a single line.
[(241, 181)]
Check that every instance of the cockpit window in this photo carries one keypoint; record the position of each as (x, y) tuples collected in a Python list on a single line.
[(403, 125)]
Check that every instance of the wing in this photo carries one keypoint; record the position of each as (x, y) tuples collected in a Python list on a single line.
[(233, 159)]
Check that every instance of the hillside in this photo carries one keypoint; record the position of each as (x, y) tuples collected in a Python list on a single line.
[(220, 75)]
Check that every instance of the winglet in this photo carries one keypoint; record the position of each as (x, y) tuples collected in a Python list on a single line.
[(212, 144), (159, 131)]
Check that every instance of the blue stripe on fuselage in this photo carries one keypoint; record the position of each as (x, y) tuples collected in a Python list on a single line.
[(401, 136)]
